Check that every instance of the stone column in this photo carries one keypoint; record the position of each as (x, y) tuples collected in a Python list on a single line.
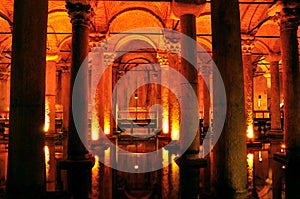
[(247, 46), (49, 128), (229, 154), (4, 86), (26, 160), (275, 95), (188, 27), (289, 21), (190, 162), (79, 162)]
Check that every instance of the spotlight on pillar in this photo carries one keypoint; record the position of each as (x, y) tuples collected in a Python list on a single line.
[(136, 96), (259, 101)]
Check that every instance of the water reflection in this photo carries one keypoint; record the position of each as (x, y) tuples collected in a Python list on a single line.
[(109, 183)]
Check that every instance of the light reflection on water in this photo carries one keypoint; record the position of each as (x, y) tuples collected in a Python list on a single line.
[(108, 183)]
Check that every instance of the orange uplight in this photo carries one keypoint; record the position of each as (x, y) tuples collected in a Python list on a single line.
[(282, 148), (47, 117), (95, 127), (47, 159), (106, 127), (250, 158), (250, 133), (175, 131), (165, 126)]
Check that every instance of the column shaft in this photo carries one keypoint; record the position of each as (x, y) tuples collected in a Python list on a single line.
[(188, 50), (275, 97), (26, 161), (80, 36), (290, 74), (79, 163), (248, 86), (229, 155)]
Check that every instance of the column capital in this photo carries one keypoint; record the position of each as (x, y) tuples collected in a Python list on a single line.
[(162, 58), (171, 40), (4, 73), (79, 12), (109, 58), (52, 55), (273, 56), (247, 44), (182, 7), (286, 15)]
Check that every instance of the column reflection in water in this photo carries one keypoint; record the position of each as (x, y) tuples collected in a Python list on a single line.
[(108, 183)]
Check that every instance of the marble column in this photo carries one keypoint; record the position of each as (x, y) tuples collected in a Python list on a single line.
[(79, 162), (289, 21), (247, 46), (229, 154), (26, 160)]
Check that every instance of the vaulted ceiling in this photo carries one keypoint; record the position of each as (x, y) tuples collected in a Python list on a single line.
[(112, 17)]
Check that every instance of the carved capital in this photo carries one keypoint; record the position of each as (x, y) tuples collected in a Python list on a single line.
[(79, 13), (182, 7), (109, 58), (4, 74), (286, 16), (289, 18), (247, 44), (162, 58), (273, 56)]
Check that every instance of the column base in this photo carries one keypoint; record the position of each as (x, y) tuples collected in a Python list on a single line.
[(275, 134), (191, 163), (78, 177), (220, 191)]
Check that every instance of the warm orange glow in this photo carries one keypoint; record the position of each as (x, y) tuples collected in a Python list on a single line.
[(165, 114), (175, 130), (250, 158), (174, 117), (106, 127), (165, 155), (282, 148), (106, 131), (250, 133), (95, 167), (47, 116), (94, 127), (165, 126), (47, 160)]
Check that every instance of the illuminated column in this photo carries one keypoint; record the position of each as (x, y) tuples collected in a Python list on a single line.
[(49, 128), (275, 94), (50, 93), (229, 154), (289, 21), (206, 95), (4, 86), (247, 46), (171, 42), (164, 64), (79, 162), (26, 160)]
